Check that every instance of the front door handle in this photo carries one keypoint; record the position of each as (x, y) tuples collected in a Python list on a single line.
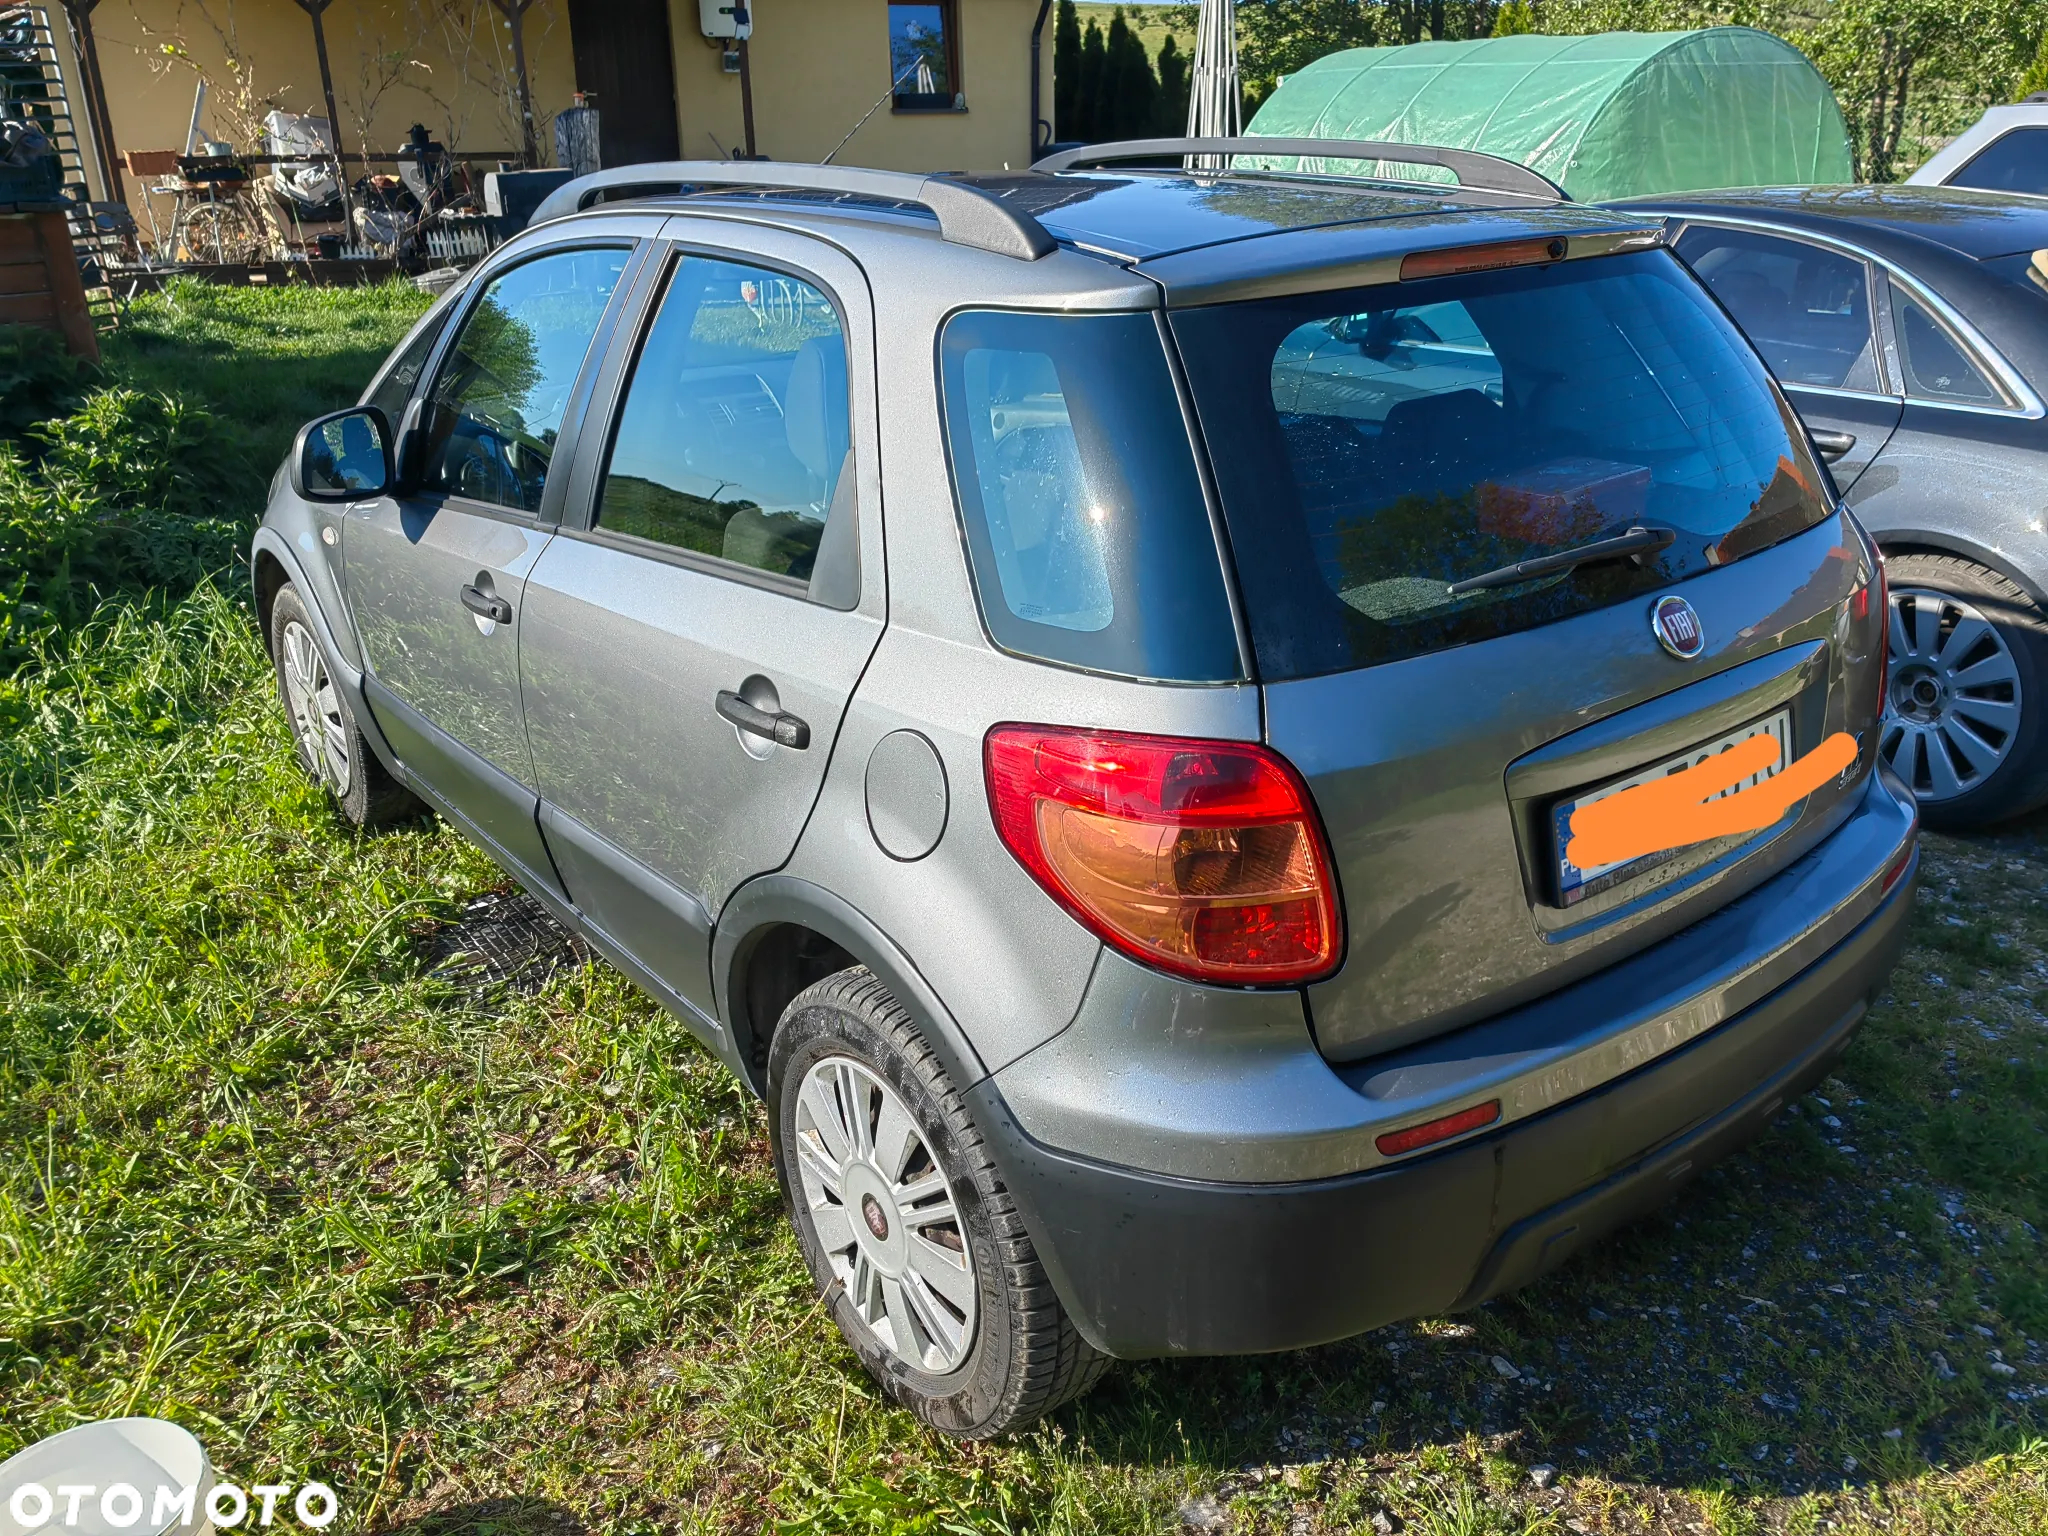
[(1832, 445), (780, 726), (486, 605)]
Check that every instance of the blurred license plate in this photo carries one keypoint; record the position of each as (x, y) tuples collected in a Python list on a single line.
[(1575, 884)]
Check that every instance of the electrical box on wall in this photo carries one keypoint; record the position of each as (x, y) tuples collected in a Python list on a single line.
[(726, 18)]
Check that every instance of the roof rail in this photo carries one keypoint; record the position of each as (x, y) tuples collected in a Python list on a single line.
[(1473, 169), (967, 215)]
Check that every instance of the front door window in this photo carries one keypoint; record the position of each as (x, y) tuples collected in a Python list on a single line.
[(505, 384)]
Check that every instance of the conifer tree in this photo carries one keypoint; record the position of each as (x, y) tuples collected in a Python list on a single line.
[(1173, 90), (1130, 99), (1066, 72), (1088, 86)]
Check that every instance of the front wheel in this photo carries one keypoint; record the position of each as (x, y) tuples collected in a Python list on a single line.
[(905, 1223), (328, 742), (1966, 707)]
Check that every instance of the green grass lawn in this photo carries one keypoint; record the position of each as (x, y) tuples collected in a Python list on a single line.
[(510, 1257)]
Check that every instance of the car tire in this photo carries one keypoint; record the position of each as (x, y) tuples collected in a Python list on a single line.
[(325, 737), (1002, 1350), (1966, 707)]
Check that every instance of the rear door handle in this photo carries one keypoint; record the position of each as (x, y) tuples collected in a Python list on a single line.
[(780, 727), (486, 605), (1832, 445)]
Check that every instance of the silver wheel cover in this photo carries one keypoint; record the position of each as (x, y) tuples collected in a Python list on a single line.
[(1952, 701), (884, 1215), (315, 709)]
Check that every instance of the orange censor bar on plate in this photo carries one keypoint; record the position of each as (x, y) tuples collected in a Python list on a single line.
[(1674, 812)]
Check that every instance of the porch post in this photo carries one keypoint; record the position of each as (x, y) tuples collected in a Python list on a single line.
[(314, 8), (98, 117), (515, 13)]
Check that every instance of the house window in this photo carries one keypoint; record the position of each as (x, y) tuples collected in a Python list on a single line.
[(924, 56)]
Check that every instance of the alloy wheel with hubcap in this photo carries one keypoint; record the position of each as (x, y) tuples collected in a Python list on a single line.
[(329, 742), (317, 719), (1965, 724), (885, 1215), (906, 1223), (1953, 697)]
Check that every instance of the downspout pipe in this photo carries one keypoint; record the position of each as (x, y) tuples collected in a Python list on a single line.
[(1038, 145)]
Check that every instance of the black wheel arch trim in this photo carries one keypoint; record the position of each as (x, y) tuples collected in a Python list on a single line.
[(1909, 541), (770, 900)]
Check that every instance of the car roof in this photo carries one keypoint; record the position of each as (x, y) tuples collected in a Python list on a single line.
[(1129, 217), (1890, 220)]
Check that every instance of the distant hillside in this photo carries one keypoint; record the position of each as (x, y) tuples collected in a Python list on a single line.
[(1152, 23)]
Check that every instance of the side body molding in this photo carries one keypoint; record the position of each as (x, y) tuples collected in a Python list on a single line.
[(668, 928)]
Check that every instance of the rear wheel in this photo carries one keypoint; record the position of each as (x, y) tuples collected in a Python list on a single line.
[(905, 1223), (1966, 708), (328, 741)]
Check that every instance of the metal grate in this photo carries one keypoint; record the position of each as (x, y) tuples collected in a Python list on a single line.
[(503, 938)]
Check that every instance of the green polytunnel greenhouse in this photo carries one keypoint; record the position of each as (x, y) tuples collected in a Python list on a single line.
[(1615, 114)]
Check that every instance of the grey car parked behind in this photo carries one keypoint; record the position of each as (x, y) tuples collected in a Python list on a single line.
[(1909, 325), (1074, 685)]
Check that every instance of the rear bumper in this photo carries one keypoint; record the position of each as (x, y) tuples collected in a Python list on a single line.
[(1149, 1264)]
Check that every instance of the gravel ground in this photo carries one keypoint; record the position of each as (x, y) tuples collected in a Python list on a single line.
[(1827, 1331)]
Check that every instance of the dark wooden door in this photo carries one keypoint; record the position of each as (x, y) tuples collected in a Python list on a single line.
[(623, 57)]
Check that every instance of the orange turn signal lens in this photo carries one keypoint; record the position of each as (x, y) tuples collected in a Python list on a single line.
[(1203, 858), (1430, 1132)]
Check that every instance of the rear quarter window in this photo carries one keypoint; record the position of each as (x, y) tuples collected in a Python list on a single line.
[(1087, 531)]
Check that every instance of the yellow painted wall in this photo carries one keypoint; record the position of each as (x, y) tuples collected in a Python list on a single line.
[(446, 63), (819, 64)]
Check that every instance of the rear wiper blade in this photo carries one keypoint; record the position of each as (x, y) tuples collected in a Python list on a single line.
[(1637, 541)]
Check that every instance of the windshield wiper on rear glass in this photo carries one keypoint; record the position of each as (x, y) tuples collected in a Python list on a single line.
[(1637, 541)]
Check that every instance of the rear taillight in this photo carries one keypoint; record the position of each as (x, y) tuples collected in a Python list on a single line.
[(1203, 858)]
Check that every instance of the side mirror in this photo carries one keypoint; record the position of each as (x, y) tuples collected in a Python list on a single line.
[(343, 457)]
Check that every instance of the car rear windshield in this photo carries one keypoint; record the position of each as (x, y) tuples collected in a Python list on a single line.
[(1376, 445), (1087, 530)]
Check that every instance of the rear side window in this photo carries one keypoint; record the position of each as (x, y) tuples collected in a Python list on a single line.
[(2012, 162), (1375, 446), (1087, 530), (1807, 309), (735, 435)]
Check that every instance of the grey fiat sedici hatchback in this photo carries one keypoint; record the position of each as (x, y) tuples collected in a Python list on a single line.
[(1075, 684)]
